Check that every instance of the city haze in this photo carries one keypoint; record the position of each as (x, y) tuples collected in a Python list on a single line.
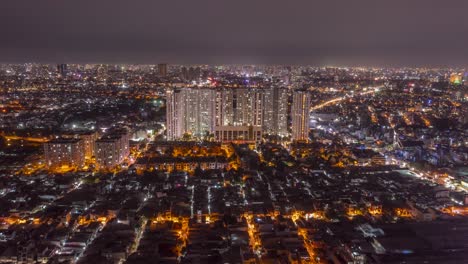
[(390, 33)]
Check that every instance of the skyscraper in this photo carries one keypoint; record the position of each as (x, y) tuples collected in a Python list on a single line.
[(198, 111), (62, 69), (239, 106), (239, 114), (162, 69), (275, 111), (174, 114), (231, 114), (300, 111), (191, 111)]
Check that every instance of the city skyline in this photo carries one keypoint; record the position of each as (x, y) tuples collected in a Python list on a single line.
[(234, 132), (246, 164)]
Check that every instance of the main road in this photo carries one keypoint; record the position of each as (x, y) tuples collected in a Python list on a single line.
[(370, 90)]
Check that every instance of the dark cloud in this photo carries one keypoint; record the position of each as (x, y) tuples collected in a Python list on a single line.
[(378, 32)]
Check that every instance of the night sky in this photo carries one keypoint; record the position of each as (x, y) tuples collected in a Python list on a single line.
[(327, 32)]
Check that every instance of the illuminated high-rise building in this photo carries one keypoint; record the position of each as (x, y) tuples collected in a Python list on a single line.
[(300, 112), (239, 114), (64, 152), (239, 106), (231, 114), (88, 140), (198, 111), (174, 114), (112, 149), (189, 111), (275, 111)]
